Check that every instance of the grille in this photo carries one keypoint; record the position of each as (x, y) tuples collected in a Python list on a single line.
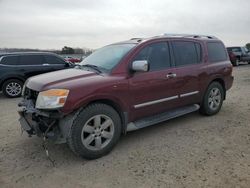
[(31, 94)]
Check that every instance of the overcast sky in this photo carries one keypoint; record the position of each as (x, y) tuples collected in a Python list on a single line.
[(52, 24)]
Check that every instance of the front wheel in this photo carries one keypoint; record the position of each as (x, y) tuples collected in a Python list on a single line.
[(213, 99), (95, 131)]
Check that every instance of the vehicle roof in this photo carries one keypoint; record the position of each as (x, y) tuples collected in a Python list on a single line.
[(170, 36), (27, 53)]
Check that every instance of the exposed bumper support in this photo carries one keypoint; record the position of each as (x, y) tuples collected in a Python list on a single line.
[(51, 124)]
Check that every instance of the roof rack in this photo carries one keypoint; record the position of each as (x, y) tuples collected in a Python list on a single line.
[(190, 35), (137, 39)]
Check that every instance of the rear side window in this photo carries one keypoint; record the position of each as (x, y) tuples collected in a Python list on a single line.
[(50, 59), (10, 60), (186, 53), (31, 60), (216, 52), (157, 55)]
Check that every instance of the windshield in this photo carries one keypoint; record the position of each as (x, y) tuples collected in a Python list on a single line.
[(107, 57)]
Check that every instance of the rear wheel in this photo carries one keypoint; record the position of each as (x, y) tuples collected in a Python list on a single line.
[(213, 99), (95, 131), (12, 88)]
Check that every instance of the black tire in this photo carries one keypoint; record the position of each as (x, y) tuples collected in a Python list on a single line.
[(17, 86), (84, 119), (206, 104)]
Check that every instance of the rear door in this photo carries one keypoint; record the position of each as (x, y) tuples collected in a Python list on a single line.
[(31, 65), (190, 71), (154, 91)]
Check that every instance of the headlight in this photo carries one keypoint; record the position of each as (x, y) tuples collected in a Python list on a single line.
[(52, 99)]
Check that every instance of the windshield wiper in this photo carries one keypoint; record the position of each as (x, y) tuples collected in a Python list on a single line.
[(96, 68)]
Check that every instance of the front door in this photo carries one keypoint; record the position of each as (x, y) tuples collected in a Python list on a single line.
[(54, 63), (154, 91)]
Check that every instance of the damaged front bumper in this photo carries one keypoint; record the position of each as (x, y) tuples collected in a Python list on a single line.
[(48, 124)]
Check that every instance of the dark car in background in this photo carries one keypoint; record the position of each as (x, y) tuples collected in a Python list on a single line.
[(15, 68), (238, 54)]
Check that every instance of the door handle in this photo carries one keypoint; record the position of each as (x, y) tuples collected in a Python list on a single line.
[(45, 64), (171, 75)]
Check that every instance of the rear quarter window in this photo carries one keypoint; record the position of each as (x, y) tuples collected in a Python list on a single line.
[(10, 60), (216, 52)]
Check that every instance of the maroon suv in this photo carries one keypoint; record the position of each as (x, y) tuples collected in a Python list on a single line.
[(126, 86)]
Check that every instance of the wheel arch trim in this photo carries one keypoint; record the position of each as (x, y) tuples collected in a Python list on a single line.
[(116, 104), (221, 81), (20, 78)]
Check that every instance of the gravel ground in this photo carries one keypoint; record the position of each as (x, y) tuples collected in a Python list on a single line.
[(190, 151)]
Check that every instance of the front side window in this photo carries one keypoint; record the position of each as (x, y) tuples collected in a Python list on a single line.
[(157, 55), (216, 52), (50, 59), (31, 60), (10, 60), (186, 53)]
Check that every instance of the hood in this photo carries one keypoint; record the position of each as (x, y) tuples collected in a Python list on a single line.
[(58, 79)]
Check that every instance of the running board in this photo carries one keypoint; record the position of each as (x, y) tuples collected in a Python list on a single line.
[(161, 117)]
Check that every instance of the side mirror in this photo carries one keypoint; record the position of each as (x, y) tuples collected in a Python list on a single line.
[(140, 66), (69, 64)]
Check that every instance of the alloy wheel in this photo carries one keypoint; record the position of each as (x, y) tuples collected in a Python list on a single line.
[(214, 99), (13, 89), (97, 132)]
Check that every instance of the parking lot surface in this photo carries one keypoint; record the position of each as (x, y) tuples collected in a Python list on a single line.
[(189, 151)]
